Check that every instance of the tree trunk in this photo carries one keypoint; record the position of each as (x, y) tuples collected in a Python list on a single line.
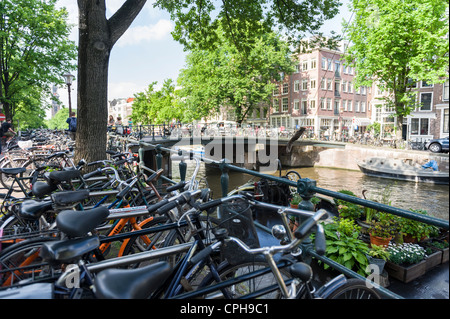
[(97, 36)]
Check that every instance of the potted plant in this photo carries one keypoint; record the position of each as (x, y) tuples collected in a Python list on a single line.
[(348, 209), (378, 255), (383, 230), (414, 231), (344, 247), (295, 200)]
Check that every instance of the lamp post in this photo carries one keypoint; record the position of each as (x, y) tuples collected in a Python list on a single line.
[(69, 78)]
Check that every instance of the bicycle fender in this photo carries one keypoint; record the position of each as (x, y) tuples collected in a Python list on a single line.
[(325, 291)]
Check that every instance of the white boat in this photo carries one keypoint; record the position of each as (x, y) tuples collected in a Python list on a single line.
[(402, 169)]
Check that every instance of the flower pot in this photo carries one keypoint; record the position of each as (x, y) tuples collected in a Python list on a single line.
[(406, 273), (378, 262), (379, 241)]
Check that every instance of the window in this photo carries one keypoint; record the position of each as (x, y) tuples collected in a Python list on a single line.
[(330, 65), (276, 91), (329, 84), (419, 126), (337, 68), (357, 106), (445, 93), (312, 84), (445, 126), (425, 84), (304, 107), (322, 103), (363, 106), (312, 104), (285, 103), (313, 64), (297, 68), (329, 104), (336, 107), (305, 66), (350, 107), (296, 86), (349, 87), (363, 90), (276, 105), (425, 101), (324, 63), (344, 86), (296, 105), (322, 84), (304, 85), (344, 105), (285, 88), (344, 69)]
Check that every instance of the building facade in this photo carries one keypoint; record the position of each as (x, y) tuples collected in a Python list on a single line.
[(320, 95)]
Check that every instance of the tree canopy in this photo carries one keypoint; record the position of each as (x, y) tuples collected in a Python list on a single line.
[(158, 106), (229, 77), (34, 50), (394, 42)]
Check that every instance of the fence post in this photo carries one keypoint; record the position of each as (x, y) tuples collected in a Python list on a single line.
[(304, 189), (183, 166)]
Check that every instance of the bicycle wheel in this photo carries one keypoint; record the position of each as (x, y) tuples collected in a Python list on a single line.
[(7, 180), (21, 261), (141, 243), (263, 286), (354, 289), (293, 176)]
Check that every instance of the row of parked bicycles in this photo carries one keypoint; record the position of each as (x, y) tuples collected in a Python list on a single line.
[(118, 229)]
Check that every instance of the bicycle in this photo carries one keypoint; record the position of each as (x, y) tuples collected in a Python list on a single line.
[(72, 250), (251, 277)]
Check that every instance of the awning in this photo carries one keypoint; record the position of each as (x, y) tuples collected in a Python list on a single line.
[(361, 121)]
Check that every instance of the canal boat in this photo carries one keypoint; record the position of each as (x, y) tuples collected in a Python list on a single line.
[(402, 169)]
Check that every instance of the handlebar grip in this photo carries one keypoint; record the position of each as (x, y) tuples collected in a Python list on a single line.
[(156, 206), (175, 187), (93, 173), (202, 254), (183, 198), (210, 204), (166, 208), (123, 192), (305, 228), (320, 242)]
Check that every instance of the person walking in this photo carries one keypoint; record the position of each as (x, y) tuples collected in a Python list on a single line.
[(119, 127), (72, 121), (7, 130)]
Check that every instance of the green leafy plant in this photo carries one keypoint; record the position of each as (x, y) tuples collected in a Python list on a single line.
[(344, 247), (379, 252), (348, 209), (414, 228), (384, 227), (296, 199)]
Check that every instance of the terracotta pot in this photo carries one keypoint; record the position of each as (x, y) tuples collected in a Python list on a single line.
[(379, 241), (294, 206)]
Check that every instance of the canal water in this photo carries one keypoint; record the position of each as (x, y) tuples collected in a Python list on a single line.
[(407, 195)]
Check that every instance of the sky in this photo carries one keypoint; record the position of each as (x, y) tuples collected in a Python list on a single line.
[(146, 52)]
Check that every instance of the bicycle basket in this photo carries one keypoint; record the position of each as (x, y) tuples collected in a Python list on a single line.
[(237, 218)]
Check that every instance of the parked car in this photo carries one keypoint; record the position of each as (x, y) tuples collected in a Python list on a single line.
[(437, 145)]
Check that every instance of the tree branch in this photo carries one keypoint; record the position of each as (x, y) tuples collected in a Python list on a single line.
[(122, 19)]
